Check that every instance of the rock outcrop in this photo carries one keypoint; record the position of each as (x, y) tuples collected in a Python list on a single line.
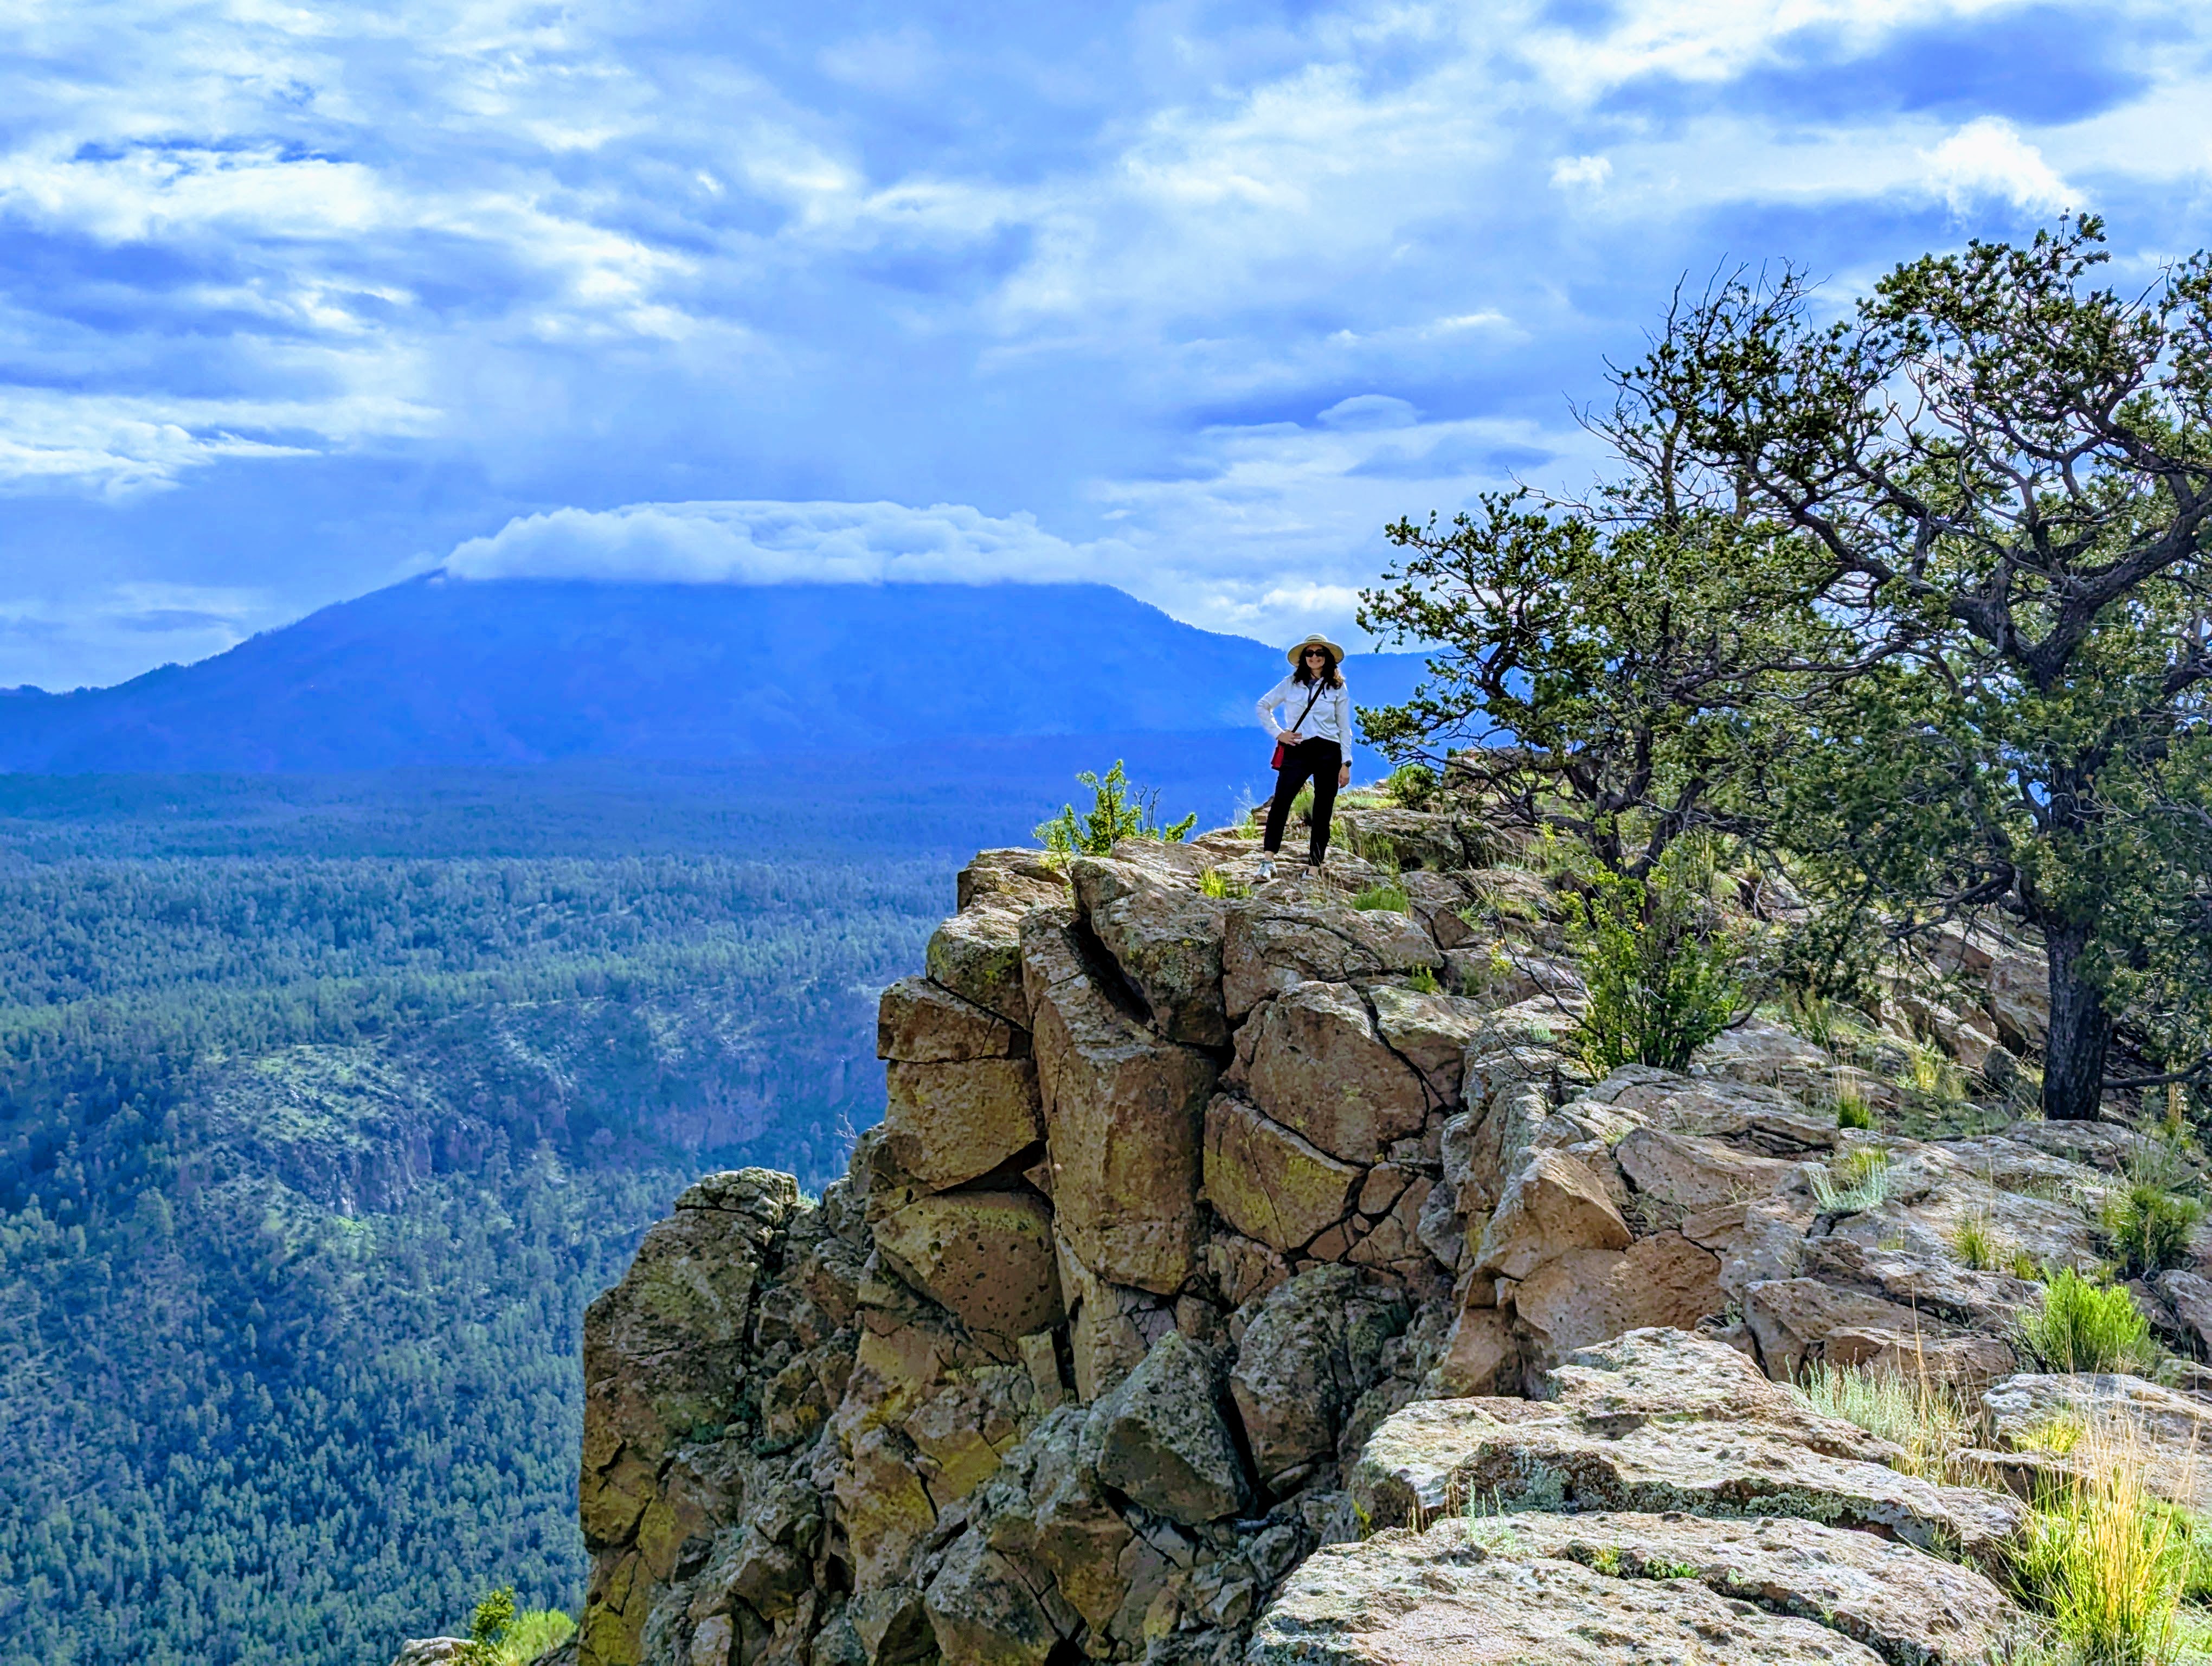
[(1214, 1224)]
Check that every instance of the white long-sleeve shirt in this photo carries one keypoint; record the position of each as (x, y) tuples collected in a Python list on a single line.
[(1330, 719)]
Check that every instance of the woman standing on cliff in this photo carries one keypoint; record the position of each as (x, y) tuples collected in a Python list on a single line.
[(1313, 747)]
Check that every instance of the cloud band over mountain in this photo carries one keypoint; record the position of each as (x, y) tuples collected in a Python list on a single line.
[(775, 543)]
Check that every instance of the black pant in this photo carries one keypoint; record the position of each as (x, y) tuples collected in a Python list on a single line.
[(1316, 759)]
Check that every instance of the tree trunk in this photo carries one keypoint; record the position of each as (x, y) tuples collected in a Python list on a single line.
[(2081, 1033)]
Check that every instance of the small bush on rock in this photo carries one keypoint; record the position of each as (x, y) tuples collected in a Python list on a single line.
[(1852, 1111), (1411, 785), (1118, 810), (1389, 895), (2085, 1327), (1661, 975), (2148, 1228)]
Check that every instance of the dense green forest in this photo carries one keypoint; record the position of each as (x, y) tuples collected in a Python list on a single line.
[(310, 1161)]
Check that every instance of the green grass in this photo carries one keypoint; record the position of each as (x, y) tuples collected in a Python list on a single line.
[(1388, 896), (1216, 883), (1978, 1247), (2084, 1327), (1423, 981), (1852, 1111), (1929, 1421), (2148, 1228), (1859, 1180), (2106, 1560)]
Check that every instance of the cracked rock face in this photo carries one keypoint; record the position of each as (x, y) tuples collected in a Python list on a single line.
[(1200, 1225), (1660, 1420), (1620, 1587)]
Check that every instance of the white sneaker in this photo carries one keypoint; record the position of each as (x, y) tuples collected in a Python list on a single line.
[(1267, 868)]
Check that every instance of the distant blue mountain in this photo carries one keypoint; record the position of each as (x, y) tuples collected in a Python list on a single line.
[(440, 671)]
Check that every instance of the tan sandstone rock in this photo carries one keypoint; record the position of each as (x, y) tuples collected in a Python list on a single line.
[(1660, 1420), (919, 1022), (948, 1124), (1165, 940), (1272, 944), (1313, 1060), (1267, 1181), (1589, 1296), (988, 1257), (1553, 1206), (1123, 1113)]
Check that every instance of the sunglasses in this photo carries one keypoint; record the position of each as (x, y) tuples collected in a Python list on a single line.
[(1316, 654)]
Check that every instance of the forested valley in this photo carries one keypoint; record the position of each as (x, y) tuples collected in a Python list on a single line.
[(313, 1153)]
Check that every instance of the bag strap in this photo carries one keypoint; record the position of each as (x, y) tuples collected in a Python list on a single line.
[(1308, 712)]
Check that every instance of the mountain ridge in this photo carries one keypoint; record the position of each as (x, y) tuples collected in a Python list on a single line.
[(437, 670)]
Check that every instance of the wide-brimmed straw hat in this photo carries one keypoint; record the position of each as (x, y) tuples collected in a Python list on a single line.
[(1317, 639)]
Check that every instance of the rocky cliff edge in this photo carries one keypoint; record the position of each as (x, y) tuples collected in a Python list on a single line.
[(1241, 1276)]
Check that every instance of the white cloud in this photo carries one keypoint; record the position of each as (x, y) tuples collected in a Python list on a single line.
[(1592, 171), (775, 543), (1988, 157)]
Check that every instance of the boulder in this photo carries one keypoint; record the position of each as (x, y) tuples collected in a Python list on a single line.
[(1482, 1354), (1658, 1419), (1161, 1441), (1692, 1172), (948, 1124), (1123, 1113), (2169, 1434), (1447, 1598), (432, 1651), (1166, 941), (1301, 1364), (1766, 1056), (988, 1257), (665, 1350), (1553, 1206), (1800, 1322), (1429, 1032), (1019, 877), (983, 1612), (1313, 1060), (919, 1022), (1897, 1601), (1402, 838), (977, 955), (1267, 1181), (1755, 1241), (2189, 1295), (1271, 945), (1587, 1296)]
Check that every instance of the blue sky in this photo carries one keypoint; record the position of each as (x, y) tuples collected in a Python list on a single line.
[(298, 299)]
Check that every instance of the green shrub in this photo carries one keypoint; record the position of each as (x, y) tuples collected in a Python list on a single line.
[(2085, 1327), (1661, 978), (1859, 1181), (1852, 1111), (1118, 810), (2148, 1228), (488, 1629), (1422, 981), (1413, 785), (1215, 884), (533, 1633)]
